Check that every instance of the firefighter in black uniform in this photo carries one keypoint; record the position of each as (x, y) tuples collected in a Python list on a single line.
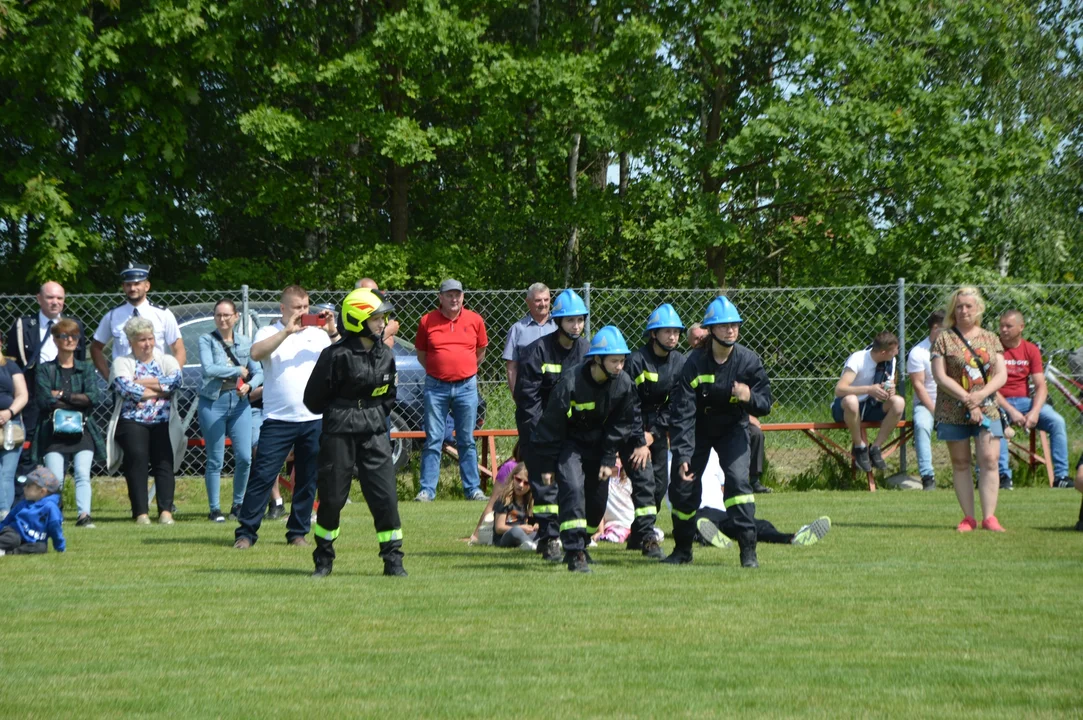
[(541, 364), (654, 368), (720, 385), (591, 416), (353, 386)]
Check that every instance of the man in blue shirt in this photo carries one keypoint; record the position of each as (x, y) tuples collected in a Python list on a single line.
[(536, 324)]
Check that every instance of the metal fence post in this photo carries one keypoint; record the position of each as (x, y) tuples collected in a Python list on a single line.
[(247, 326), (586, 300), (900, 377)]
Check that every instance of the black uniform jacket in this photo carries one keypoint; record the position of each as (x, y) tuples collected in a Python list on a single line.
[(352, 387), (654, 378), (601, 416), (541, 364), (702, 403)]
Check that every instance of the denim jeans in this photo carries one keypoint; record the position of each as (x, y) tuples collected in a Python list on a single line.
[(461, 398), (276, 439), (9, 461), (80, 466), (1050, 421), (228, 415), (923, 438)]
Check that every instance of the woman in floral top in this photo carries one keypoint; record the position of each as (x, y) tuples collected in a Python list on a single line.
[(967, 379), (145, 381)]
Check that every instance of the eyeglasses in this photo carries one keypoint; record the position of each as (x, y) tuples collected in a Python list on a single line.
[(66, 336)]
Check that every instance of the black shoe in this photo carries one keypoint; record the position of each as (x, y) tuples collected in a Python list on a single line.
[(748, 556), (235, 512), (635, 542), (759, 488), (324, 569), (577, 562), (1063, 482), (679, 557), (928, 482), (394, 568), (861, 458), (1005, 483), (1079, 526), (590, 560), (84, 522), (552, 551), (216, 516), (652, 549), (876, 458), (275, 511)]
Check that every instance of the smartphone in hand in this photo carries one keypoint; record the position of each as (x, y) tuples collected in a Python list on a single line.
[(313, 320)]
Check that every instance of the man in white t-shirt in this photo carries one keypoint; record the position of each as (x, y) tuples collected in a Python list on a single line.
[(919, 369), (135, 280), (288, 350), (866, 393)]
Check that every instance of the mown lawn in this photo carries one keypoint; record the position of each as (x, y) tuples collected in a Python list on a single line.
[(893, 614)]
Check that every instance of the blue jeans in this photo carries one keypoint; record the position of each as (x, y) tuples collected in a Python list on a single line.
[(461, 398), (80, 468), (923, 438), (9, 461), (1050, 421), (276, 439), (228, 415)]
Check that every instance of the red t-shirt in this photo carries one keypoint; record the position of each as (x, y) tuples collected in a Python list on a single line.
[(451, 345), (1022, 361)]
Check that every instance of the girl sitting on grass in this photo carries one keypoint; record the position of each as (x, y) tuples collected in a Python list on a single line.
[(482, 534), (511, 524)]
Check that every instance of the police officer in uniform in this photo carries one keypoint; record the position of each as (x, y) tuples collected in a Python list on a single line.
[(353, 387), (720, 385), (591, 416), (136, 284), (654, 368), (541, 364)]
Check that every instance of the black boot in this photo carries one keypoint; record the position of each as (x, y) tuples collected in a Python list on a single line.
[(679, 556), (759, 488), (551, 550), (577, 562), (928, 482), (652, 549), (1079, 525), (748, 552), (323, 556), (635, 542), (393, 567)]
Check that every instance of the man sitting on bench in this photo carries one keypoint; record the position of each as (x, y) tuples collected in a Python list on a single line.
[(866, 393)]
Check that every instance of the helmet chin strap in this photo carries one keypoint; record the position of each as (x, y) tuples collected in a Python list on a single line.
[(565, 333), (604, 369), (723, 343), (663, 348)]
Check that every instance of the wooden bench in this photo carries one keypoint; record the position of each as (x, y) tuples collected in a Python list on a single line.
[(1028, 453), (817, 432)]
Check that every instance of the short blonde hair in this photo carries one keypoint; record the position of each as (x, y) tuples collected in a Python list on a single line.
[(137, 326), (953, 300)]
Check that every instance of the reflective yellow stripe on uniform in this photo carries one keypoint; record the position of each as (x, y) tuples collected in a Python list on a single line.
[(653, 377), (546, 509), (684, 516), (649, 510), (572, 524), (388, 535), (592, 530), (552, 368), (579, 406), (739, 500), (696, 381), (320, 531), (380, 390)]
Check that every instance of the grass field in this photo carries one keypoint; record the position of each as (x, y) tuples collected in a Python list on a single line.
[(893, 614)]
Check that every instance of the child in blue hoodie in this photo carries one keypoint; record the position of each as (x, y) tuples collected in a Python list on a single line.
[(37, 517)]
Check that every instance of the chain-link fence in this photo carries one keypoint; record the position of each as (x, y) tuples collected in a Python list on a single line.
[(803, 334)]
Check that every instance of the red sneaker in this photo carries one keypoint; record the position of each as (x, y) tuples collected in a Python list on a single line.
[(967, 524), (991, 523)]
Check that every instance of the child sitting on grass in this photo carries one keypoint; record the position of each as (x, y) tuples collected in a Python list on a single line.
[(35, 518), (616, 524), (512, 512), (483, 531)]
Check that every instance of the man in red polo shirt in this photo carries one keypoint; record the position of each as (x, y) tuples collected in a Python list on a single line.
[(1024, 362), (451, 343)]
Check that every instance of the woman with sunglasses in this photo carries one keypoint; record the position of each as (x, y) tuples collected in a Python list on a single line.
[(67, 391)]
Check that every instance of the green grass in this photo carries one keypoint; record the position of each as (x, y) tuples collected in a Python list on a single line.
[(893, 614)]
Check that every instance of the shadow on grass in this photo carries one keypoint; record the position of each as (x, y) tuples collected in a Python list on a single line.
[(890, 526), (221, 542), (269, 571), (1058, 529)]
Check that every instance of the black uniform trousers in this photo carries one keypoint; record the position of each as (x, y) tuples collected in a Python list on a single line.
[(765, 531), (581, 495), (371, 455), (545, 496), (755, 449), (644, 492), (733, 455)]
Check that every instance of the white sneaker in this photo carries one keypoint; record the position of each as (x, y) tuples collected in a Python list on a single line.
[(529, 546), (658, 533)]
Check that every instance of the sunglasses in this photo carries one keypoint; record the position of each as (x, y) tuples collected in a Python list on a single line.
[(66, 336)]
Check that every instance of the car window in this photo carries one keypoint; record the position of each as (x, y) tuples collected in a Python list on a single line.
[(190, 331)]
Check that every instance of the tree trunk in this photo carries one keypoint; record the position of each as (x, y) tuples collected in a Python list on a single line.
[(399, 180), (571, 252), (716, 263), (622, 188)]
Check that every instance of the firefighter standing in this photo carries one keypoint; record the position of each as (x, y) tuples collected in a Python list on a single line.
[(353, 386), (591, 416), (654, 368), (541, 364), (720, 385)]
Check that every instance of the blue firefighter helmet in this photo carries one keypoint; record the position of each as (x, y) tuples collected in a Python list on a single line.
[(664, 316), (720, 312), (608, 341), (569, 304)]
